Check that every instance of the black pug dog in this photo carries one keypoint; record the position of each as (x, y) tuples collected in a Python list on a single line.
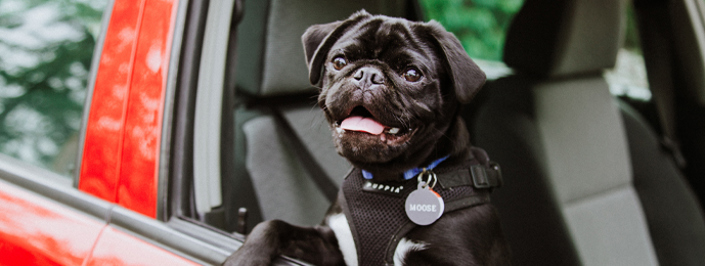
[(391, 90)]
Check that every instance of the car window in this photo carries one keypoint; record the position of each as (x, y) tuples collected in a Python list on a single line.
[(481, 26), (628, 77), (46, 47)]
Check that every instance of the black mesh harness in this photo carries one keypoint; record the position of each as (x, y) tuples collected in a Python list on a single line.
[(375, 211)]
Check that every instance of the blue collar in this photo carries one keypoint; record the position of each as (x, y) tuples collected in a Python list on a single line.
[(411, 173)]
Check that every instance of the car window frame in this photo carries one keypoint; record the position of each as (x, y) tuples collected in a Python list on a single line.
[(177, 163), (209, 110), (92, 76), (163, 233), (181, 212)]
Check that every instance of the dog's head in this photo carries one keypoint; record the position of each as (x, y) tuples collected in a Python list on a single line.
[(390, 88)]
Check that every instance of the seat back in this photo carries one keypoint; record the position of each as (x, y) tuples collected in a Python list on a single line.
[(272, 73), (571, 195)]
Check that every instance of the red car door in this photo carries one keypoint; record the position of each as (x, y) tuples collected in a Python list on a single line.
[(110, 218), (123, 131), (37, 231)]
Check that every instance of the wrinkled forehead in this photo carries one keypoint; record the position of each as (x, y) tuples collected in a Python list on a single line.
[(394, 41)]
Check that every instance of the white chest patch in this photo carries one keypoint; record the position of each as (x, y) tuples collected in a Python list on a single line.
[(405, 247), (339, 224)]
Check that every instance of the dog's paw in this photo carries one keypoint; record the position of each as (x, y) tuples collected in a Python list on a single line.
[(246, 257)]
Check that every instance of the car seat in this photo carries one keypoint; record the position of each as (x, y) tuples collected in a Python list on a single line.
[(272, 77), (586, 182)]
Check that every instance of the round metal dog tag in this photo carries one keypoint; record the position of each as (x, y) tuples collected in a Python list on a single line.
[(424, 206)]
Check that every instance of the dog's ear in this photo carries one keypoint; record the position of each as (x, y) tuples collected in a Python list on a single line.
[(468, 78), (318, 39)]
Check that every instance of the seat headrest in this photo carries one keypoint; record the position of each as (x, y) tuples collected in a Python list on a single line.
[(556, 38), (270, 56)]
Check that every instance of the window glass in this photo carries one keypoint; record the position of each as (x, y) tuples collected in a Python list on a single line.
[(480, 25), (628, 77), (46, 47)]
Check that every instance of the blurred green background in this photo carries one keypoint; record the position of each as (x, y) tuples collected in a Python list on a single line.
[(46, 47), (481, 25)]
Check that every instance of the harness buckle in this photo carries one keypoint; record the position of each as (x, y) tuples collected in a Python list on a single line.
[(484, 177)]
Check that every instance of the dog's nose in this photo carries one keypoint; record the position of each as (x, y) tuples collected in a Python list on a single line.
[(369, 76)]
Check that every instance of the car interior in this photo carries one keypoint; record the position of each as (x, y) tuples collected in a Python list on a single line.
[(588, 177)]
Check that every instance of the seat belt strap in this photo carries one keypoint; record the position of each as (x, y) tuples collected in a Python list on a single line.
[(303, 155), (655, 43)]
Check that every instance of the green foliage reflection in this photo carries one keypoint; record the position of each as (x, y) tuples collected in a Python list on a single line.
[(46, 47)]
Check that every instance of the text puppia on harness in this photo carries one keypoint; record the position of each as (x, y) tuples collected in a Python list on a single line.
[(381, 214)]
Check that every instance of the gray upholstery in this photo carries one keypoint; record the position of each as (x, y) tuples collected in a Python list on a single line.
[(283, 187), (271, 59), (568, 197), (589, 168), (610, 229), (575, 36), (674, 215), (582, 133), (531, 218), (573, 194)]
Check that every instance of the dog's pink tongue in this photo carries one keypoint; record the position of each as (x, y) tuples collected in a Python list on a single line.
[(364, 124)]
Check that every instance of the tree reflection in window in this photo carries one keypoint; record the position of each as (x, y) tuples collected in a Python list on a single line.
[(46, 47)]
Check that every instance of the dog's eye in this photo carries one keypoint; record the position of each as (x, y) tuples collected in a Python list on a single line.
[(339, 63), (412, 74)]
